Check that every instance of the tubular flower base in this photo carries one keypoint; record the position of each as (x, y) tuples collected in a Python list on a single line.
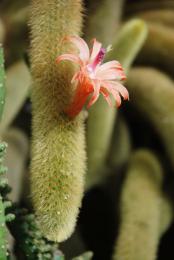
[(92, 78)]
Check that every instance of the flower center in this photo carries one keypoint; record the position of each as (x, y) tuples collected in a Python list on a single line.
[(98, 60)]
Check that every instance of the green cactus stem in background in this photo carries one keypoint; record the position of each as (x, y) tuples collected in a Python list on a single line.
[(2, 81), (141, 209), (101, 117), (15, 32), (158, 49), (139, 6), (152, 93), (3, 170), (18, 81), (120, 145), (58, 144), (3, 205), (161, 16), (167, 214), (18, 150), (103, 18), (2, 31), (3, 232)]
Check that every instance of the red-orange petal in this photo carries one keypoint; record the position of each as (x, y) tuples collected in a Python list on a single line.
[(82, 92)]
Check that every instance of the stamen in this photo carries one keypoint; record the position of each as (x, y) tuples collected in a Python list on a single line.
[(101, 55), (109, 48), (99, 58)]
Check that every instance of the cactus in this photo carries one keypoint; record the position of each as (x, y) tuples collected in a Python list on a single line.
[(30, 242), (4, 204), (2, 31), (166, 216), (58, 143), (17, 87), (3, 247), (15, 33), (15, 160), (107, 11), (120, 145), (138, 6), (101, 117), (165, 17), (2, 82), (141, 211), (158, 49), (3, 232), (154, 98)]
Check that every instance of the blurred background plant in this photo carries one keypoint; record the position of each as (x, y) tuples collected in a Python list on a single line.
[(127, 208)]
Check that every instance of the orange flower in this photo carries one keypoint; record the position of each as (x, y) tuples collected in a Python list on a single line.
[(93, 77)]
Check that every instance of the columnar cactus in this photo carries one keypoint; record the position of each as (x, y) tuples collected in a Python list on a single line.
[(121, 145), (154, 99), (2, 82), (103, 14), (158, 49), (161, 16), (141, 212), (3, 181), (58, 143)]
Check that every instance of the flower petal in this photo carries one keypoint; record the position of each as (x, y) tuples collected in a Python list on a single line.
[(106, 96), (81, 45), (95, 96), (71, 57), (117, 98), (119, 88), (95, 50), (110, 74), (116, 89), (75, 77), (108, 65)]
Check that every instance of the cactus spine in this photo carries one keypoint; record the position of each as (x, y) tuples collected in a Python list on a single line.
[(58, 145)]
